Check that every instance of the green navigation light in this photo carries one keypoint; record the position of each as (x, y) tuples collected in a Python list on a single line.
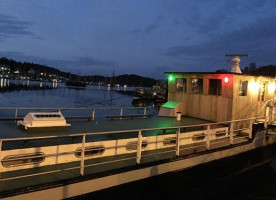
[(170, 78)]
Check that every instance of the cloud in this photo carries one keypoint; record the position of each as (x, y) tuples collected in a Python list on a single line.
[(135, 31), (12, 26), (150, 28), (247, 39)]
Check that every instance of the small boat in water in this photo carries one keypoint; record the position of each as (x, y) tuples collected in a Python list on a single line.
[(156, 94)]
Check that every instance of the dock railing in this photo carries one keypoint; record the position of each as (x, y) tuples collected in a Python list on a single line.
[(174, 150), (90, 112)]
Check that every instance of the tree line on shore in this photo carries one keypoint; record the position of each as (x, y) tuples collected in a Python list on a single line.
[(16, 69)]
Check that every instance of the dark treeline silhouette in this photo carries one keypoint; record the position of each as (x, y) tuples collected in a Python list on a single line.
[(269, 70), (42, 72)]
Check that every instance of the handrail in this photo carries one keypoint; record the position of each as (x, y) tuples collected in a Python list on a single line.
[(265, 105), (90, 116), (124, 131), (139, 145), (70, 108)]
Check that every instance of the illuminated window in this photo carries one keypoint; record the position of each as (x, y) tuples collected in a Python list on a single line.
[(261, 94), (197, 85), (214, 87), (181, 84), (243, 88)]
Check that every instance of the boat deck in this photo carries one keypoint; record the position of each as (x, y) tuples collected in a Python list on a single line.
[(9, 129), (52, 175)]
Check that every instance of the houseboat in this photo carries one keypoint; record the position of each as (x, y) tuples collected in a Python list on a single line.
[(208, 117)]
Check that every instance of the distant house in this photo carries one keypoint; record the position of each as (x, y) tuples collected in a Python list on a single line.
[(31, 72)]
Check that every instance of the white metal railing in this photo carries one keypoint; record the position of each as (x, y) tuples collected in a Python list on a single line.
[(176, 148), (91, 116)]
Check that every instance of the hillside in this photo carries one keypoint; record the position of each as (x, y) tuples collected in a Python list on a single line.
[(16, 70)]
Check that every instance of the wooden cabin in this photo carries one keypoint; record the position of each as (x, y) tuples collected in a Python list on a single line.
[(219, 96)]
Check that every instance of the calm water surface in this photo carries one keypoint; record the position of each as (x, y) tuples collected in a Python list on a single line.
[(63, 96)]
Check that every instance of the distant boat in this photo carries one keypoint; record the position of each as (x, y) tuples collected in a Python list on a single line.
[(75, 84), (153, 95)]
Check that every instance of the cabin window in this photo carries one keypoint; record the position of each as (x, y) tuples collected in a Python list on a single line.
[(23, 159), (181, 84), (131, 146), (197, 85), (197, 137), (214, 87), (91, 151), (261, 94), (169, 141), (243, 88)]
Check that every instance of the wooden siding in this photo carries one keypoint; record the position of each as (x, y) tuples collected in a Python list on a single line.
[(210, 107), (227, 106)]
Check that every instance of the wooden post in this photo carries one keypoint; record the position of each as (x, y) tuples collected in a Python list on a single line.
[(139, 147), (208, 137), (177, 142), (232, 133), (82, 156)]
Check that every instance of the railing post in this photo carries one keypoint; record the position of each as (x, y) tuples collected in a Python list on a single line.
[(232, 133), (1, 143), (121, 112), (92, 114), (270, 112), (266, 117), (82, 155), (145, 111), (16, 113), (250, 129), (139, 147), (208, 137), (178, 142)]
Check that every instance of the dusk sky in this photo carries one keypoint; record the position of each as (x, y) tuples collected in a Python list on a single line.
[(145, 37)]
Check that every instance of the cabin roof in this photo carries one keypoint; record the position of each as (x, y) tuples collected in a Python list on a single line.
[(232, 73)]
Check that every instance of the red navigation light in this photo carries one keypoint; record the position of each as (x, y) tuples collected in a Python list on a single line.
[(226, 79)]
